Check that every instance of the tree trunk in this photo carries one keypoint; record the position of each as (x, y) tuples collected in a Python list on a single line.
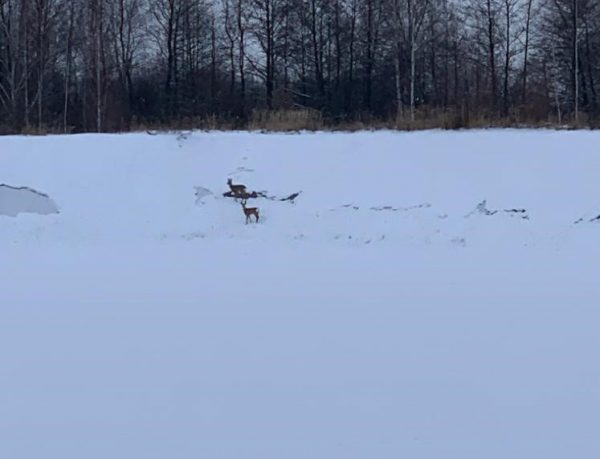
[(242, 58), (492, 55), (98, 39), (594, 97), (556, 88), (526, 53), (369, 63), (575, 61), (68, 69), (507, 4)]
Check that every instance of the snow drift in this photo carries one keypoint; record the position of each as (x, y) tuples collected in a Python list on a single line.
[(16, 200)]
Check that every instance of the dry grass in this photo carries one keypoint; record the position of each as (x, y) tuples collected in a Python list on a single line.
[(312, 120), (286, 120), (44, 130), (208, 123)]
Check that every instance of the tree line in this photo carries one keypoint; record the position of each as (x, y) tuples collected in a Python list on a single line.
[(113, 65)]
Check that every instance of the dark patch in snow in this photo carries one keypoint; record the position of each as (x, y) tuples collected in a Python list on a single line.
[(596, 219), (424, 205), (246, 195), (345, 206), (260, 194), (182, 137), (291, 197), (519, 213), (194, 235), (16, 200), (482, 209), (459, 241), (241, 169)]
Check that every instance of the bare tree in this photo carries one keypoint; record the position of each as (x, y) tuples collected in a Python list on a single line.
[(127, 40), (106, 64), (13, 75), (528, 17)]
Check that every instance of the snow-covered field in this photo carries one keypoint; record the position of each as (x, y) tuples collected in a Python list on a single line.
[(386, 313)]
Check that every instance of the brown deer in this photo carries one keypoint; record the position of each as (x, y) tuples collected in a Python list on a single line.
[(237, 190), (249, 211)]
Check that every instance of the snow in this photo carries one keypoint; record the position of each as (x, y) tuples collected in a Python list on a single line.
[(16, 200), (388, 311)]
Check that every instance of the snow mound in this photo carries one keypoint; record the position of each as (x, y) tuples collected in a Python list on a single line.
[(16, 200), (201, 193)]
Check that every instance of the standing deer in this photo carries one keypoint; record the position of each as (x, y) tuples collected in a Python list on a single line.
[(249, 211), (237, 190)]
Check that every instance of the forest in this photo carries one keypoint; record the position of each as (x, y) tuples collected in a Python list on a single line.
[(119, 65)]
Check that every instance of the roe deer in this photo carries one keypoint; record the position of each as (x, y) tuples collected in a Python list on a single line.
[(249, 211), (236, 189)]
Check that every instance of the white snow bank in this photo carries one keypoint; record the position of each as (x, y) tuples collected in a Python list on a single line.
[(16, 200)]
